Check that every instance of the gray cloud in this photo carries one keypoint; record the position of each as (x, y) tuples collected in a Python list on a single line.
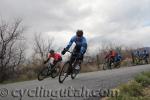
[(125, 21), (44, 15)]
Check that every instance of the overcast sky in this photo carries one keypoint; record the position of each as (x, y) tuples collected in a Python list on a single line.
[(123, 21)]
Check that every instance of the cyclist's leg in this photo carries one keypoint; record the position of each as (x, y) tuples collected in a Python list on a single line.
[(57, 63), (74, 54), (110, 64), (82, 56), (53, 65), (81, 59), (146, 60), (72, 59), (111, 61), (78, 62)]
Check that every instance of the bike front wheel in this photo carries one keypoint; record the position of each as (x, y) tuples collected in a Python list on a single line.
[(64, 72), (43, 73), (105, 66)]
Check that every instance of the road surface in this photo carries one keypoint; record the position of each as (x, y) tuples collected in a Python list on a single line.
[(87, 86)]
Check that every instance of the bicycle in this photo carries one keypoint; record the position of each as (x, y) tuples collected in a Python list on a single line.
[(141, 60), (109, 64), (144, 60), (69, 68), (49, 71)]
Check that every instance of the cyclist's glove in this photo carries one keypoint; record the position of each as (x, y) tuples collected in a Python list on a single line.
[(64, 51)]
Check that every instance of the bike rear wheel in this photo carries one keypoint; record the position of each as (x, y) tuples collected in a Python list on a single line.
[(64, 72), (117, 64)]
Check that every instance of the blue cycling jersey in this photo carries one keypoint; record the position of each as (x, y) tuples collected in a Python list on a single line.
[(80, 42), (118, 58)]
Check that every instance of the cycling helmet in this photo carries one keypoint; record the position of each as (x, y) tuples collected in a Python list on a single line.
[(51, 51), (79, 33)]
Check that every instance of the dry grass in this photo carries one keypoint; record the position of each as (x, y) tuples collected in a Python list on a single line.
[(146, 91), (89, 68)]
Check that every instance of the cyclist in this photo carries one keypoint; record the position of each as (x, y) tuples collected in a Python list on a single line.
[(133, 56), (118, 58), (110, 57), (145, 55), (80, 48), (137, 54), (56, 56)]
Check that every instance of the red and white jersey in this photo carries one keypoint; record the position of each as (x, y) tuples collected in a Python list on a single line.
[(56, 56)]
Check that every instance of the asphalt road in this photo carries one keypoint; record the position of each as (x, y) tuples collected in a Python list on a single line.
[(87, 86)]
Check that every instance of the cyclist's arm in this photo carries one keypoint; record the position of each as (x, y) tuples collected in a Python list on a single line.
[(70, 43), (107, 56), (48, 58)]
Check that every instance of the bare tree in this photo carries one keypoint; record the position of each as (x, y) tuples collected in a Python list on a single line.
[(11, 54), (41, 46)]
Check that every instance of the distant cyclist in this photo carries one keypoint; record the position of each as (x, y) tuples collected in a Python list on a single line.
[(56, 56), (80, 47), (112, 57), (138, 54), (145, 55)]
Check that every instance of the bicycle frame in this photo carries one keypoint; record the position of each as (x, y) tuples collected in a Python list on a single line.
[(70, 68), (70, 60)]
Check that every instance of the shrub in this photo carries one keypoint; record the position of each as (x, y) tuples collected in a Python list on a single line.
[(126, 97), (133, 89), (143, 79), (146, 74)]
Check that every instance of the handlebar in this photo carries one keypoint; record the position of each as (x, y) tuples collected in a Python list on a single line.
[(76, 57), (69, 51)]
